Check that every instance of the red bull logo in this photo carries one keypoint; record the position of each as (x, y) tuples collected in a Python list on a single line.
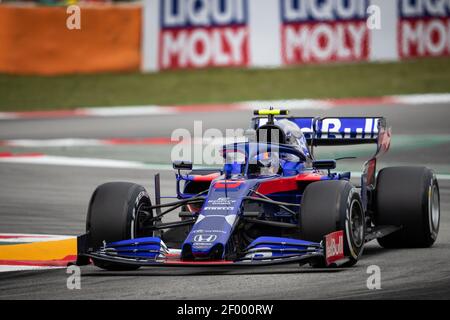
[(334, 247)]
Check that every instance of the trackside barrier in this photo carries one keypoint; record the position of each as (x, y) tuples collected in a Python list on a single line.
[(36, 40), (154, 35), (273, 33)]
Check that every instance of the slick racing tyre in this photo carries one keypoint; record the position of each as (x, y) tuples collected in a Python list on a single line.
[(408, 197), (116, 211), (329, 206)]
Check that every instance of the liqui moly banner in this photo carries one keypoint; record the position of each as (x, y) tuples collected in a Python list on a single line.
[(424, 28), (323, 31), (179, 34), (201, 33)]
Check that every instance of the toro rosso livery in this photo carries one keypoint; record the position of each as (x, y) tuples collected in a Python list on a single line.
[(272, 202)]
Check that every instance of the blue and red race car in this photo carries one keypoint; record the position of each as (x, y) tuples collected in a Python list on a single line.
[(272, 202)]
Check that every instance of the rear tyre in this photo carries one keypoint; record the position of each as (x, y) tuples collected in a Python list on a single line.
[(115, 213), (329, 206), (408, 197)]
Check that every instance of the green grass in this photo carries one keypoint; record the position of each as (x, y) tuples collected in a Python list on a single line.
[(224, 85)]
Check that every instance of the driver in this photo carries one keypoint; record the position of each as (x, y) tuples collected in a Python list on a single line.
[(268, 163), (294, 135)]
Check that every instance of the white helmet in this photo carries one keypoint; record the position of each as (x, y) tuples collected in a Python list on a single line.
[(294, 135)]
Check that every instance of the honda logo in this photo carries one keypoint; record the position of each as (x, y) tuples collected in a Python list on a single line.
[(205, 238)]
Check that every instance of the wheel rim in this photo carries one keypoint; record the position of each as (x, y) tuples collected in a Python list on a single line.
[(356, 223), (434, 210), (138, 224)]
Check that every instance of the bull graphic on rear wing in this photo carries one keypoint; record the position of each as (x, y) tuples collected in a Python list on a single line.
[(337, 131)]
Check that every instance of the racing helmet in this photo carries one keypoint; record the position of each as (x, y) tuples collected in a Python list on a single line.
[(268, 163), (293, 135), (270, 133)]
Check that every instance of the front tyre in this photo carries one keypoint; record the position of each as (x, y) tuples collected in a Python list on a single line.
[(329, 206), (116, 212), (408, 197)]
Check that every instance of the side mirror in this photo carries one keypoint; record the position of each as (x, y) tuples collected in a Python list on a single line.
[(232, 168), (182, 165), (228, 169), (324, 164)]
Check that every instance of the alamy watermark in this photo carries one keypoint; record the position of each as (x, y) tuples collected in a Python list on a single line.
[(207, 147), (74, 278), (373, 21), (73, 21), (373, 282)]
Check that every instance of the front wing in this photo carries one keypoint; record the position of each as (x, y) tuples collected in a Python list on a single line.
[(265, 252)]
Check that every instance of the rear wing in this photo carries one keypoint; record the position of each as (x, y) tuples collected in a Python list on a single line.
[(341, 131), (334, 131)]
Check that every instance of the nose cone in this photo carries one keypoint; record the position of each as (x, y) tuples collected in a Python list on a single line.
[(211, 233), (210, 236)]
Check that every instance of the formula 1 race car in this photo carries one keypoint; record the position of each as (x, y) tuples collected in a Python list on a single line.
[(272, 202)]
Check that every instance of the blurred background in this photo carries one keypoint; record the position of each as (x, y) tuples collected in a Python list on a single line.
[(77, 74), (91, 91)]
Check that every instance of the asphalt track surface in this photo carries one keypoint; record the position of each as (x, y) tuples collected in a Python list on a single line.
[(54, 199)]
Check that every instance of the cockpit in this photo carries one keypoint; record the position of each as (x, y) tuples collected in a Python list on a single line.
[(277, 147), (252, 159), (282, 131)]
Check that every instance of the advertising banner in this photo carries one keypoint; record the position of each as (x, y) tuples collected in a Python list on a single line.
[(203, 33), (180, 34), (323, 31), (423, 28)]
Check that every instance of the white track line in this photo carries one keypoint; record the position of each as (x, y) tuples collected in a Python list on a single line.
[(108, 163), (417, 99), (8, 116), (80, 142), (292, 104), (73, 161), (8, 268), (50, 143), (27, 238), (129, 111), (83, 162)]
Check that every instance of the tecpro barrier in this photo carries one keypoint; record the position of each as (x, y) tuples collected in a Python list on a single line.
[(36, 39), (273, 33)]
